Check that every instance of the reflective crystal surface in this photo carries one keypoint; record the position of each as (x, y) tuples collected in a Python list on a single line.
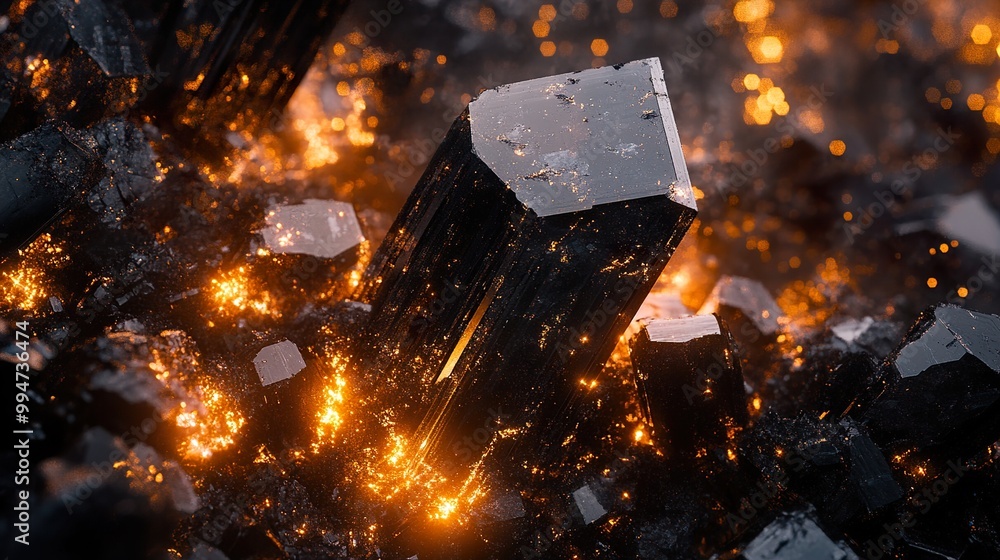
[(746, 297), (321, 228), (569, 142), (278, 362), (796, 537), (105, 33)]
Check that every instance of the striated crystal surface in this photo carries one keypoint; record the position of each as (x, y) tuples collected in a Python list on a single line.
[(796, 537), (497, 290)]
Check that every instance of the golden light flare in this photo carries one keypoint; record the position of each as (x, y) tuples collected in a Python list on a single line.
[(331, 412), (25, 285), (235, 291)]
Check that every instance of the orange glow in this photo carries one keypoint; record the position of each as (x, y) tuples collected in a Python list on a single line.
[(233, 292), (547, 48), (838, 147), (981, 34), (599, 47)]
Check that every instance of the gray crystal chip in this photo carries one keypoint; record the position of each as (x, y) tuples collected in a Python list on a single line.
[(796, 537), (587, 503), (278, 362), (569, 142), (747, 297), (321, 228), (954, 333)]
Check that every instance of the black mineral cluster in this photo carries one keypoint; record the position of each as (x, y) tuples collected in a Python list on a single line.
[(418, 280)]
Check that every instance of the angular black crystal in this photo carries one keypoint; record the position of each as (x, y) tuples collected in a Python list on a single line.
[(796, 536), (40, 174), (250, 61), (526, 248), (690, 381), (943, 383), (105, 33)]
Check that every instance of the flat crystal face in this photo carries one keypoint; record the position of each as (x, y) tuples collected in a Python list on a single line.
[(320, 228), (278, 362), (954, 333), (795, 538), (569, 142), (682, 330), (586, 502)]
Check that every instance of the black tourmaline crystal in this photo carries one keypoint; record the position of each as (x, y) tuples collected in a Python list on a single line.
[(690, 381), (234, 58), (41, 173), (525, 249), (943, 384)]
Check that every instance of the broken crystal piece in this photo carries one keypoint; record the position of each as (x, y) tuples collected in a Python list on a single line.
[(320, 228), (689, 379), (588, 505), (486, 295), (943, 386), (870, 473), (105, 33), (746, 297), (41, 173), (796, 537), (278, 362)]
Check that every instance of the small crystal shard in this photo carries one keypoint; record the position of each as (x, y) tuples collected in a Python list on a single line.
[(320, 228), (943, 386), (690, 381), (735, 295), (278, 362), (796, 537), (588, 505)]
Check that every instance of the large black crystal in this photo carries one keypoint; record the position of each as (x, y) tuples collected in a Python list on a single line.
[(943, 383), (690, 381), (526, 248), (41, 173)]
